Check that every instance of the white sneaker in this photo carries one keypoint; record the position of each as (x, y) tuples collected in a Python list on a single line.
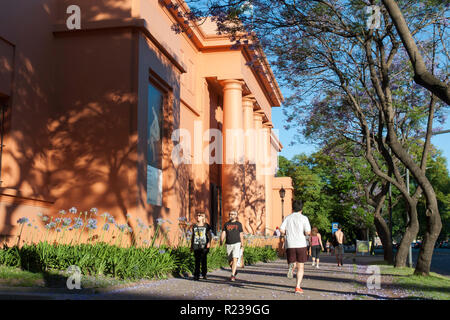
[(291, 270), (317, 267), (313, 264)]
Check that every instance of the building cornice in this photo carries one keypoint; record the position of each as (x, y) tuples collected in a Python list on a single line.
[(132, 23), (275, 141), (221, 43)]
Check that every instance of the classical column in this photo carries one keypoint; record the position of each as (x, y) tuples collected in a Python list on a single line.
[(233, 150), (250, 195), (268, 175), (249, 126), (260, 195)]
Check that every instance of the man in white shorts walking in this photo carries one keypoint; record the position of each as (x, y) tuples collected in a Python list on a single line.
[(234, 235), (296, 227)]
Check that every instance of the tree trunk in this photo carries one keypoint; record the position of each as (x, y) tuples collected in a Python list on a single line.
[(385, 237), (421, 75), (434, 225), (410, 234)]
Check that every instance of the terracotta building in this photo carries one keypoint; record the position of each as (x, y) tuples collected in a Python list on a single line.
[(108, 107)]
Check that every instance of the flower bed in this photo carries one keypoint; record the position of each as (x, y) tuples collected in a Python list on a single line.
[(117, 250), (124, 263)]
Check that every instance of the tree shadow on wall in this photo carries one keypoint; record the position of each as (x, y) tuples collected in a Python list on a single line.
[(246, 194), (78, 143)]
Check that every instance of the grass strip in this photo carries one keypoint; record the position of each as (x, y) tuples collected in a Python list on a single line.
[(435, 286)]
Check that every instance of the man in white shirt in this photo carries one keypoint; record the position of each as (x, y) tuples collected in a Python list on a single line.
[(296, 226)]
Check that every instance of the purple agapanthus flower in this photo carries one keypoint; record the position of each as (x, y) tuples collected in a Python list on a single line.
[(22, 220)]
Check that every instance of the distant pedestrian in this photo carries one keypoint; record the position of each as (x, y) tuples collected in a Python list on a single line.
[(233, 234), (338, 243), (316, 245), (200, 244), (296, 226), (308, 247), (328, 245)]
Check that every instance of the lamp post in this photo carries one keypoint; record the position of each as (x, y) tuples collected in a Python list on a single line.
[(390, 212), (282, 194), (407, 221)]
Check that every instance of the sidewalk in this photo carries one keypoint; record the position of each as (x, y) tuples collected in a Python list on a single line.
[(262, 281)]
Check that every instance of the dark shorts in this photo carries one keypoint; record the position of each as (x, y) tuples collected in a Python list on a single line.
[(297, 255), (315, 250), (339, 249)]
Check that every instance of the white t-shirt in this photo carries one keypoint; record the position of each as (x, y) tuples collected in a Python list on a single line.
[(295, 225)]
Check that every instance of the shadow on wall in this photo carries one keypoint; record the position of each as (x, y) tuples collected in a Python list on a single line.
[(246, 195), (95, 10), (254, 199), (75, 141)]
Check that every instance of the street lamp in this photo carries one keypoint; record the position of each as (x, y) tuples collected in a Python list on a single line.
[(390, 212), (407, 222), (282, 194)]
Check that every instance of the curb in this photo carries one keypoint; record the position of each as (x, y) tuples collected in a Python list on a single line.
[(43, 290)]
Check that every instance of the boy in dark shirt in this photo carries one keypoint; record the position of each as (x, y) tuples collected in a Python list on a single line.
[(234, 234), (200, 243)]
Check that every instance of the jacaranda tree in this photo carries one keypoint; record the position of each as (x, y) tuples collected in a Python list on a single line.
[(320, 45)]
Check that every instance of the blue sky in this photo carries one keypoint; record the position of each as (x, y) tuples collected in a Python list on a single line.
[(441, 141)]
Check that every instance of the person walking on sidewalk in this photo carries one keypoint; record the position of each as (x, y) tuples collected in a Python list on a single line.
[(308, 246), (339, 240), (233, 234), (328, 246), (296, 226), (316, 245), (200, 244)]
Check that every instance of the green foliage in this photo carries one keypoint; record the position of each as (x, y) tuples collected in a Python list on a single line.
[(217, 258), (438, 175), (255, 254), (11, 276), (331, 192), (434, 286)]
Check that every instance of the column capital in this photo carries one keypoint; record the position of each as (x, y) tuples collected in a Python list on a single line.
[(248, 101), (258, 115), (232, 84), (268, 125), (250, 97)]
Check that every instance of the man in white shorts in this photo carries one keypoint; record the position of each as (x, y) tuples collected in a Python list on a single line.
[(296, 227), (234, 235)]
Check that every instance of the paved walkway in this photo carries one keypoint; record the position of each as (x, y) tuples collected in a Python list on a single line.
[(262, 281)]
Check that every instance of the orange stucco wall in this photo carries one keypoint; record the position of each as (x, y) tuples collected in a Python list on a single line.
[(286, 183), (77, 123)]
